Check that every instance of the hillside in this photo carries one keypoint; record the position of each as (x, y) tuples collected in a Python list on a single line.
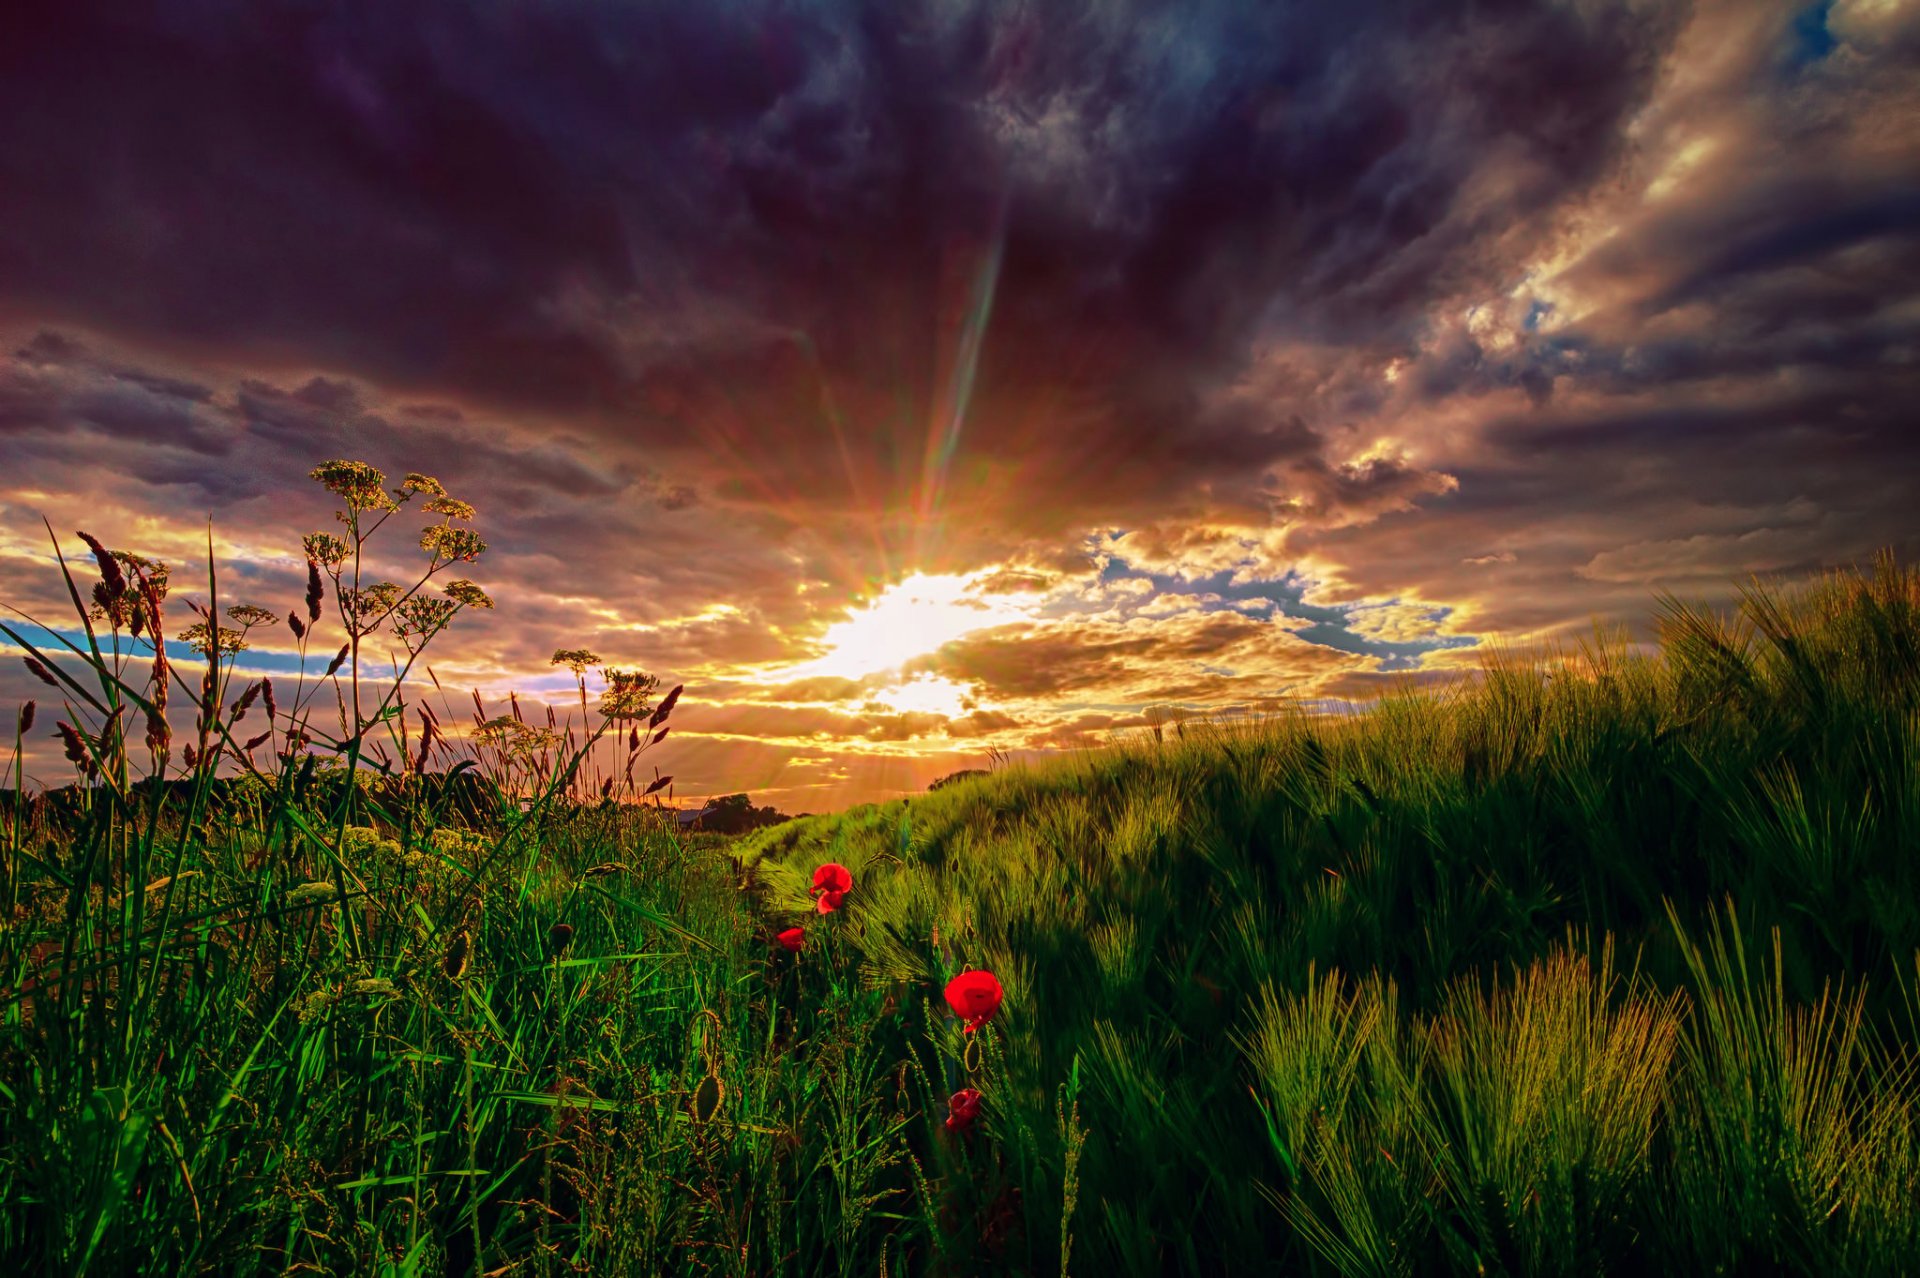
[(1597, 965)]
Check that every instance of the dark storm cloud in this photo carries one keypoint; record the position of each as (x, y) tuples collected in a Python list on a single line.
[(687, 219)]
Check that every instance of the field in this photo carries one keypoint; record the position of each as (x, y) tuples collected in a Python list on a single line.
[(1602, 964)]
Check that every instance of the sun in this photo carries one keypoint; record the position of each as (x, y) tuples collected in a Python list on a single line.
[(909, 619)]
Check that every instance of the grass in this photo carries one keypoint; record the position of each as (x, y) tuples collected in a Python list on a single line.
[(1606, 964)]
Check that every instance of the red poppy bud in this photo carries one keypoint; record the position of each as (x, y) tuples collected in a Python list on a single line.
[(792, 939), (974, 997), (830, 901), (962, 1108)]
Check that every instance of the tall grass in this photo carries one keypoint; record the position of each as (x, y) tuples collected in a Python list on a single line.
[(1466, 985)]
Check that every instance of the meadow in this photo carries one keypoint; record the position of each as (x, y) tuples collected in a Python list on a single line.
[(1602, 963)]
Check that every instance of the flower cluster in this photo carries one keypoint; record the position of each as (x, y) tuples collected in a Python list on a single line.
[(451, 507), (325, 549), (367, 606), (448, 544), (204, 639), (628, 694), (466, 594), (974, 995), (420, 618), (578, 660), (357, 484), (247, 616)]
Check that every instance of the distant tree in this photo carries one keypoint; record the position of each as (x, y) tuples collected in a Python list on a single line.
[(961, 775), (735, 814)]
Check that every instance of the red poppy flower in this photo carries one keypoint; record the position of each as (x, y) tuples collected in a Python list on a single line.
[(831, 883), (974, 998), (792, 939), (962, 1108)]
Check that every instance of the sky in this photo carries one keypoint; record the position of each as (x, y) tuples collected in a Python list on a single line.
[(920, 378)]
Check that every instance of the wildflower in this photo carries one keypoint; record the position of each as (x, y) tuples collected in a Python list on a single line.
[(974, 997), (578, 660), (324, 550), (373, 985), (420, 618), (450, 543), (318, 890), (356, 483), (415, 482), (246, 616), (963, 1107), (368, 606), (204, 639), (831, 883), (451, 508), (792, 939), (627, 694), (466, 594)]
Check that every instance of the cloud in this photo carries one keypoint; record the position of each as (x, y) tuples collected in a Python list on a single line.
[(1434, 323)]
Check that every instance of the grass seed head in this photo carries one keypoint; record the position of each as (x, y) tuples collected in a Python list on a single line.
[(110, 575)]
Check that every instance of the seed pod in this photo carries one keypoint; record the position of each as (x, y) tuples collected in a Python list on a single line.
[(454, 966), (707, 1098)]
